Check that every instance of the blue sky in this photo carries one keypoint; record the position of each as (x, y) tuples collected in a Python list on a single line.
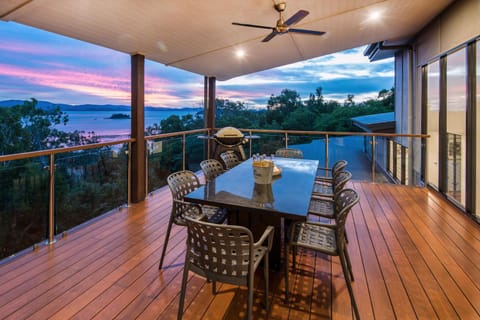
[(46, 66)]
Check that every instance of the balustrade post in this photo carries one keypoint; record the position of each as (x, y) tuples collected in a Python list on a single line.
[(129, 174), (51, 201), (373, 158), (250, 143), (286, 140), (184, 151), (326, 151), (147, 152)]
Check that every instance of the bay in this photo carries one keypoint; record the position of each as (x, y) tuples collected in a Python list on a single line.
[(108, 129)]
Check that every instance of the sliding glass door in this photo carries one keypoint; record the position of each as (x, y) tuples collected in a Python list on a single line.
[(433, 117), (477, 153), (456, 118)]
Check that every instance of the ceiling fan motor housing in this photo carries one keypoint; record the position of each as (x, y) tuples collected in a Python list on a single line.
[(280, 7)]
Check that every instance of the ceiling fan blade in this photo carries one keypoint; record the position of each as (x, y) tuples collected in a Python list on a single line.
[(252, 25), (296, 17), (312, 32), (270, 36)]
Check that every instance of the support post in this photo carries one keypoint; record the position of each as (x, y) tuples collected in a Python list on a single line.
[(210, 109), (138, 156), (51, 200)]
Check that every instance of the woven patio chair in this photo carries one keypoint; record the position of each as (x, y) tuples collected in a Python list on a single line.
[(324, 208), (180, 184), (325, 189), (325, 238), (289, 153), (225, 253), (327, 174), (230, 159), (211, 168)]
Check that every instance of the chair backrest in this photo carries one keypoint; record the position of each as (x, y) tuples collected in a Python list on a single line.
[(182, 183), (344, 201), (211, 168), (230, 159), (338, 166), (340, 180), (289, 153), (219, 251)]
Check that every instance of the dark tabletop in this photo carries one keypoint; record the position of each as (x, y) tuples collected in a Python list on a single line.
[(288, 195)]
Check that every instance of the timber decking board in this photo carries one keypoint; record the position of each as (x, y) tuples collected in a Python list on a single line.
[(414, 255)]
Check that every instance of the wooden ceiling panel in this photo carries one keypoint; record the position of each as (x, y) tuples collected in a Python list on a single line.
[(198, 35)]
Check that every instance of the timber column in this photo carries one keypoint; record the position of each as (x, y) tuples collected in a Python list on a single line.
[(210, 108), (138, 155)]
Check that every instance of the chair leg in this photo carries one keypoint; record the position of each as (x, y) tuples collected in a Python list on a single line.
[(294, 259), (183, 290), (214, 286), (349, 284), (250, 296), (266, 276), (167, 236), (349, 264), (287, 293)]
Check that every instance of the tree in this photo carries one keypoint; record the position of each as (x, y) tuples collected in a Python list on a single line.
[(280, 107)]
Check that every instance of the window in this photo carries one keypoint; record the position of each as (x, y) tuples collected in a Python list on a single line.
[(433, 115), (456, 107), (477, 199)]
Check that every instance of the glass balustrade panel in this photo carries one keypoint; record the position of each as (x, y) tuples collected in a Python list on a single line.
[(195, 152), (24, 196), (88, 184), (165, 156)]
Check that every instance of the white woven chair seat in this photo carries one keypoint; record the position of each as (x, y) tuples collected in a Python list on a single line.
[(322, 208), (315, 237), (322, 188)]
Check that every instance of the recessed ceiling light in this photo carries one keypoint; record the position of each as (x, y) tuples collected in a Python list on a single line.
[(240, 53), (375, 15)]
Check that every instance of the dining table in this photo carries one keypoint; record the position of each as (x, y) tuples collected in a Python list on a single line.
[(279, 203)]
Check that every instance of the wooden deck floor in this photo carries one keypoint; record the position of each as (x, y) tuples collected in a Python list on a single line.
[(413, 254)]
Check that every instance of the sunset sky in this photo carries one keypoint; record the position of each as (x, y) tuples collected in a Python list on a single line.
[(46, 66)]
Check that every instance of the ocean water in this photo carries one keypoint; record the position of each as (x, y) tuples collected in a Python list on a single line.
[(107, 129)]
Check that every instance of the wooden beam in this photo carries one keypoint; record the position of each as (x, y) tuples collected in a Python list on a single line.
[(138, 155), (210, 95)]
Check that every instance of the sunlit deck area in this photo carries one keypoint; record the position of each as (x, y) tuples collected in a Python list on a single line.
[(414, 256)]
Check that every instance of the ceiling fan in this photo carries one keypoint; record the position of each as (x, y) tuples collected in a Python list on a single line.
[(283, 26)]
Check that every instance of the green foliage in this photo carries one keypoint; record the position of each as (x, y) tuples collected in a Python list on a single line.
[(80, 191), (236, 114)]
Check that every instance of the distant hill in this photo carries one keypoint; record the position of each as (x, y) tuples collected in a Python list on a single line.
[(88, 107)]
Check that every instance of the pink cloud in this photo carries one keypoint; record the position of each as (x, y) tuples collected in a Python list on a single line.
[(158, 91), (81, 82)]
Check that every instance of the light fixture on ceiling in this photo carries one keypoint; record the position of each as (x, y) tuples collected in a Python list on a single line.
[(375, 15), (240, 53)]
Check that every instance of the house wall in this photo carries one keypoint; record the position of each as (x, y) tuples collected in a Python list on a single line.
[(458, 25)]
